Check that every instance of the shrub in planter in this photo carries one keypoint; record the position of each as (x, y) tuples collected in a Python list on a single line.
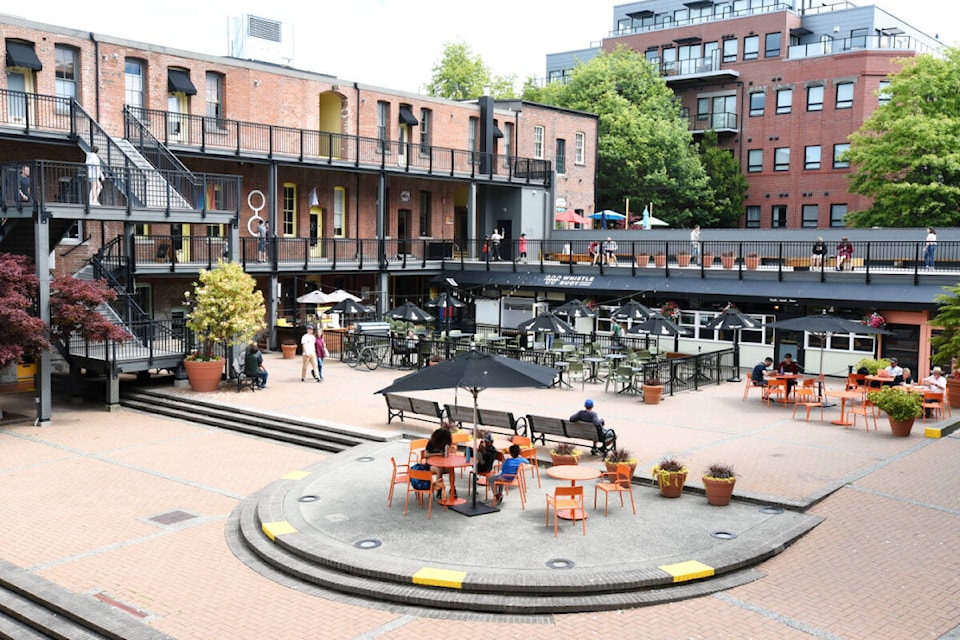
[(751, 260), (660, 259), (620, 456), (872, 366), (728, 259), (718, 481), (901, 406), (565, 453), (670, 475)]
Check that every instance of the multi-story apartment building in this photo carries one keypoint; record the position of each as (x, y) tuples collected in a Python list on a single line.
[(359, 184), (783, 82)]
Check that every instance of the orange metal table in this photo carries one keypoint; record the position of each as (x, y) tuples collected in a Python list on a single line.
[(451, 462), (573, 473)]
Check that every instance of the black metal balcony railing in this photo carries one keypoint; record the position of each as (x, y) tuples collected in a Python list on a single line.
[(30, 111), (857, 43), (721, 11), (125, 187), (337, 149), (690, 66), (718, 121)]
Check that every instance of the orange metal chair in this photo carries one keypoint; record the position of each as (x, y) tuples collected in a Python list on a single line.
[(417, 449), (857, 382), (436, 484), (865, 409), (523, 441), (751, 385), (946, 402), (517, 480), (776, 388), (933, 405), (565, 497), (400, 476), (806, 396), (614, 481), (534, 468)]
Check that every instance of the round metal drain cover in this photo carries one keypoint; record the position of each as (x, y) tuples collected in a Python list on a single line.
[(369, 543), (771, 510), (309, 498), (364, 459), (723, 535), (560, 563)]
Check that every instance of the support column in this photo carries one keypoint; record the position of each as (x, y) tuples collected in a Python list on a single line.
[(472, 229), (41, 246), (381, 220), (383, 281), (270, 295), (113, 389)]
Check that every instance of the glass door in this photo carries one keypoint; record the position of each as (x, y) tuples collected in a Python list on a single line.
[(17, 102)]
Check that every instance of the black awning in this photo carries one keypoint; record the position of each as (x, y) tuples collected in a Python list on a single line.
[(640, 15), (800, 31), (496, 132), (21, 54), (178, 81), (699, 4), (407, 117), (687, 40)]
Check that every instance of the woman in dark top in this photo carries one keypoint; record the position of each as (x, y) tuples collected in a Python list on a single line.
[(819, 249), (440, 440)]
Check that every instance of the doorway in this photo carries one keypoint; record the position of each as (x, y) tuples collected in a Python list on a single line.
[(403, 230), (17, 105), (176, 107), (316, 232)]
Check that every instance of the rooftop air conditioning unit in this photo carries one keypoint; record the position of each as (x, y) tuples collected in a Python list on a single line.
[(261, 39)]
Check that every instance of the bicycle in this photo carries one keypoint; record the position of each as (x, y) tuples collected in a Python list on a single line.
[(367, 355)]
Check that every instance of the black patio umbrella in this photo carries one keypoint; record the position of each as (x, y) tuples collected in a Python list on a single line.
[(731, 319), (475, 371), (546, 323), (349, 307), (575, 309), (445, 300), (409, 312), (631, 310), (659, 325)]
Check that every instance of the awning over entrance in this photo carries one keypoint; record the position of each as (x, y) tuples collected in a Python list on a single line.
[(21, 54), (496, 132), (178, 81), (407, 117)]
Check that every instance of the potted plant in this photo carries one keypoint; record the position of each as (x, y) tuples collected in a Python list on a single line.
[(565, 453), (643, 259), (707, 259), (751, 260), (289, 348), (225, 308), (946, 344), (728, 259), (670, 475), (872, 366), (660, 259), (620, 456), (718, 481), (683, 258), (902, 407), (652, 390)]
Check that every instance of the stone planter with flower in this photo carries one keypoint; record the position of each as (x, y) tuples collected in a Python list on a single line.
[(670, 475), (718, 481), (565, 453), (620, 456)]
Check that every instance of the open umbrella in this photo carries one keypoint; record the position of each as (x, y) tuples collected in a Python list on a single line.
[(475, 371), (546, 323), (659, 325), (575, 309), (571, 216), (445, 300), (732, 319), (349, 307), (609, 214), (632, 310), (319, 297), (409, 312)]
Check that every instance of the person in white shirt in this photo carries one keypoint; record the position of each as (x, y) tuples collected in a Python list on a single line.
[(308, 344), (895, 371), (935, 381), (930, 248), (695, 244), (495, 239), (94, 176)]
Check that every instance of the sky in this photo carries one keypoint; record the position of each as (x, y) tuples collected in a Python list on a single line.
[(395, 43)]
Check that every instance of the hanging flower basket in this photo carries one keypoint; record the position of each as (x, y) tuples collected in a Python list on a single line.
[(671, 310), (875, 320)]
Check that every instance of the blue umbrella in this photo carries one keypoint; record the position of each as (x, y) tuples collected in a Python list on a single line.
[(609, 214)]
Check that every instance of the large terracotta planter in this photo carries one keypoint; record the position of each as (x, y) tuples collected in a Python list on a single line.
[(953, 390), (289, 351), (643, 259), (901, 428), (612, 468), (670, 482), (718, 490), (652, 393), (683, 259), (751, 262), (204, 375), (560, 460), (660, 260), (707, 260), (728, 262)]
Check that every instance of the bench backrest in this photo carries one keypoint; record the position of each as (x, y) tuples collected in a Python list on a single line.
[(544, 424), (398, 402), (459, 413), (425, 407), (581, 430), (493, 418)]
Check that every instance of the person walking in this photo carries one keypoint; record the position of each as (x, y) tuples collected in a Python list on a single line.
[(930, 248), (522, 247), (94, 176), (308, 344), (695, 244), (321, 354)]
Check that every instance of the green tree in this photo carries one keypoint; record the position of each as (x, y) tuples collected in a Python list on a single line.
[(906, 156), (462, 75), (226, 308), (645, 149), (727, 184)]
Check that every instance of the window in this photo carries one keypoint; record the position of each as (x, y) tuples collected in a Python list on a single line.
[(580, 142), (289, 223), (74, 234), (214, 101), (473, 126), (838, 151), (538, 142), (784, 100), (838, 215), (724, 112), (811, 215), (215, 230), (425, 207), (339, 210), (703, 109), (751, 47), (669, 61), (383, 126), (771, 45), (815, 98), (757, 101), (844, 95), (711, 55), (561, 159), (730, 50), (133, 80), (426, 130), (778, 215), (507, 143), (781, 159), (66, 73), (811, 157), (753, 217), (754, 160), (883, 93), (652, 55)]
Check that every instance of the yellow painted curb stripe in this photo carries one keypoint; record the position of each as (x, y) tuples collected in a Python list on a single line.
[(689, 570), (296, 475), (274, 529), (932, 432), (440, 578)]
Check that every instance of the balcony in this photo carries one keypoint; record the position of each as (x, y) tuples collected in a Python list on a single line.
[(649, 21), (679, 73), (861, 43), (721, 122)]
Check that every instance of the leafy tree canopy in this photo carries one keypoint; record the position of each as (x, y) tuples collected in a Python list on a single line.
[(906, 156), (462, 75), (226, 307), (645, 149), (727, 183)]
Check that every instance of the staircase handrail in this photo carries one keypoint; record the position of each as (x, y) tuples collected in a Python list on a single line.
[(89, 133), (137, 132)]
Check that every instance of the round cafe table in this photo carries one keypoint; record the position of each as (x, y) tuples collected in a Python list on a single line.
[(573, 473), (451, 462), (844, 396)]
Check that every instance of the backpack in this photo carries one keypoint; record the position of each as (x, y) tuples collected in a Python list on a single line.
[(420, 484)]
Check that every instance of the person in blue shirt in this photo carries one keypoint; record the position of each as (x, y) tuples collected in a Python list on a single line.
[(605, 436), (508, 471), (758, 372)]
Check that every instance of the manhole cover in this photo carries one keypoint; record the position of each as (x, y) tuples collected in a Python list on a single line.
[(771, 510), (309, 498), (369, 543), (723, 535), (364, 459), (560, 563), (172, 517)]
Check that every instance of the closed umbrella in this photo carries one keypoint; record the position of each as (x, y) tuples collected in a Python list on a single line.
[(575, 309), (733, 320), (475, 371), (409, 312)]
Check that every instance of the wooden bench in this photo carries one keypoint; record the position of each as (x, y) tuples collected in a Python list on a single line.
[(544, 428), (829, 262), (503, 421), (567, 257), (398, 406)]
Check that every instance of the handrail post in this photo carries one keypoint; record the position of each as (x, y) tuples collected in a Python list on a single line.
[(916, 264), (779, 261), (866, 264)]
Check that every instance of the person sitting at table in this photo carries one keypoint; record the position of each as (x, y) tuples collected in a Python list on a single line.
[(935, 383), (759, 374), (789, 365), (508, 471), (894, 371), (907, 377), (487, 454), (587, 414), (441, 441)]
